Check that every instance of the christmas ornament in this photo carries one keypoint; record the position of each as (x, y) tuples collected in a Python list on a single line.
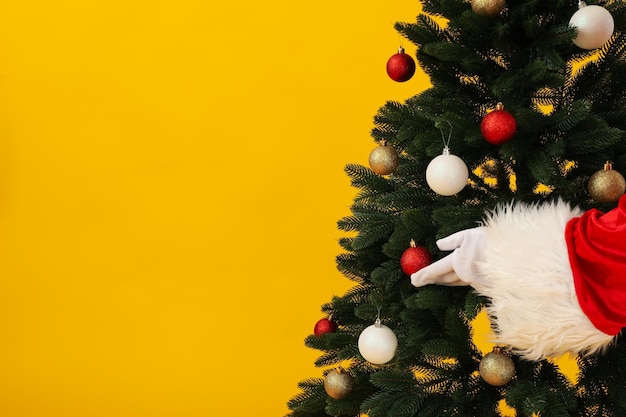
[(377, 343), (401, 66), (498, 126), (488, 8), (594, 25), (338, 383), (383, 159), (414, 258), (323, 326), (606, 185), (497, 368), (447, 174)]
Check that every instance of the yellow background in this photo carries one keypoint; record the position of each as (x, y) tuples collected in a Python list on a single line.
[(170, 177)]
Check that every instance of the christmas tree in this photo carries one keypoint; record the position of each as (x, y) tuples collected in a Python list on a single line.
[(527, 106)]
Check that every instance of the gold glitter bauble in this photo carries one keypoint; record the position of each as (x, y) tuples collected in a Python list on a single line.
[(338, 383), (489, 8), (497, 368), (606, 185), (384, 159)]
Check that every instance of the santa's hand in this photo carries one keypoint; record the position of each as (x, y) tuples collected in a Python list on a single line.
[(458, 268)]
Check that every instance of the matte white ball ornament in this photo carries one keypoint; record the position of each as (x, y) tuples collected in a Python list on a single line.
[(447, 174), (378, 343), (594, 25)]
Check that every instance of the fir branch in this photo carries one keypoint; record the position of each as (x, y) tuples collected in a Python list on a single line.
[(311, 401), (425, 30), (350, 265), (387, 275), (345, 243), (330, 343), (367, 180), (327, 359), (428, 298), (474, 304), (375, 230), (396, 403), (441, 351)]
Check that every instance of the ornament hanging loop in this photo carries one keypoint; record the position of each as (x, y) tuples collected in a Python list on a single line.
[(446, 142), (377, 323)]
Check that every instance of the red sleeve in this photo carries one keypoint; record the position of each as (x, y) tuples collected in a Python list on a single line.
[(596, 244)]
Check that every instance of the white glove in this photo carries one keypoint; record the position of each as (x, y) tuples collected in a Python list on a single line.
[(460, 267)]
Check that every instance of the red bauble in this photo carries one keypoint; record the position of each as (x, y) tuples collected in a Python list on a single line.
[(400, 67), (324, 326), (415, 258), (499, 126)]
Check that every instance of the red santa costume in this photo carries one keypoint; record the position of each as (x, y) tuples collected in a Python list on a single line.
[(555, 276)]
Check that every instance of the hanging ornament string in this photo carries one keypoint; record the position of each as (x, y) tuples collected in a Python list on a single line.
[(446, 142), (377, 321), (400, 38), (447, 174)]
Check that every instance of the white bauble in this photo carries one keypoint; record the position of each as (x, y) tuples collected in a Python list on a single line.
[(594, 25), (378, 343), (447, 174)]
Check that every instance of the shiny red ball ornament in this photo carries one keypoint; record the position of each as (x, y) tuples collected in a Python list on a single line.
[(401, 66), (498, 126), (415, 258), (323, 326)]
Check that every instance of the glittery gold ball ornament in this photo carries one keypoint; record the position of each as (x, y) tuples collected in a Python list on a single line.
[(488, 8), (606, 185), (384, 159), (497, 368), (338, 383)]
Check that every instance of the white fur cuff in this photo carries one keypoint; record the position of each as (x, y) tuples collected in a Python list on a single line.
[(527, 276)]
